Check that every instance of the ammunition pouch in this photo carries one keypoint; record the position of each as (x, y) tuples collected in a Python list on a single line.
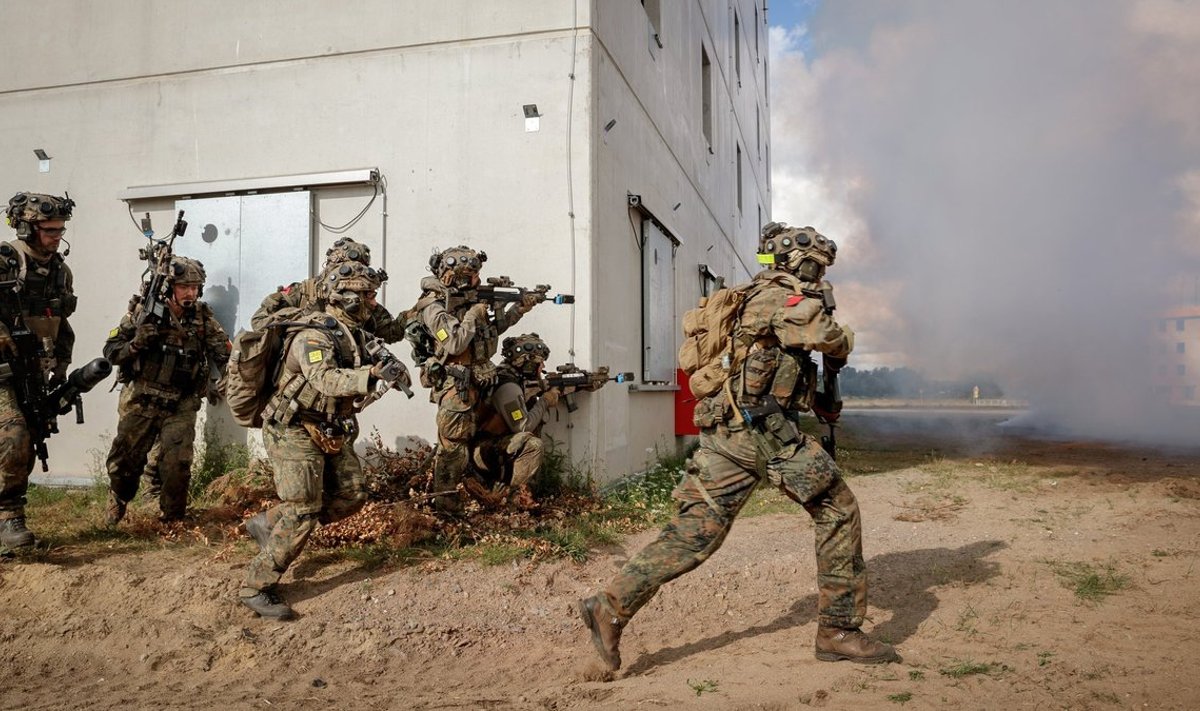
[(758, 370), (329, 437)]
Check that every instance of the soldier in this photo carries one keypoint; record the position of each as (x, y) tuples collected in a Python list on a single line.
[(465, 338), (747, 434), (38, 295), (309, 425), (164, 367), (312, 293), (508, 449)]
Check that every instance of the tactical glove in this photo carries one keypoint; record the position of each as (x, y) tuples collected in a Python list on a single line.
[(528, 301), (551, 397), (478, 312), (146, 334)]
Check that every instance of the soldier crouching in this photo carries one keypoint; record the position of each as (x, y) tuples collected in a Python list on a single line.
[(165, 368), (309, 426)]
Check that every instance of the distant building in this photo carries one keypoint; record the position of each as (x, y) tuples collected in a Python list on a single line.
[(617, 150), (1177, 360)]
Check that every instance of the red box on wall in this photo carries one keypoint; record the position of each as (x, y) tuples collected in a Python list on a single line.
[(685, 405)]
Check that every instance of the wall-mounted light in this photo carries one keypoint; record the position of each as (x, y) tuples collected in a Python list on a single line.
[(609, 126), (43, 160), (533, 119), (676, 206)]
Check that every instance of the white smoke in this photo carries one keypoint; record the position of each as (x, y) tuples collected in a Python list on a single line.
[(1016, 187)]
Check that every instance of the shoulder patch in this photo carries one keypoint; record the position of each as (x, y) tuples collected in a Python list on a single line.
[(442, 335), (315, 356), (113, 333), (795, 299), (517, 415)]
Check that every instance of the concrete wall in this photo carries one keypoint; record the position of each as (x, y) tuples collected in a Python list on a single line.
[(137, 93)]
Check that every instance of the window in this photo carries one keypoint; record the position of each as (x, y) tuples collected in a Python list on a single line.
[(1189, 392), (706, 98), (737, 47), (1180, 347), (709, 282), (653, 10), (1181, 369), (658, 304), (739, 177), (1178, 324)]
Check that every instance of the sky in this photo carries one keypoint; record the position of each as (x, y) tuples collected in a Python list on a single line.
[(1014, 193)]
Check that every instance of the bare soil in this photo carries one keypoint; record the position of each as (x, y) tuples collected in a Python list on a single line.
[(970, 559)]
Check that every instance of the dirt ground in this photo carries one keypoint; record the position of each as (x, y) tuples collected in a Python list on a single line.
[(974, 562)]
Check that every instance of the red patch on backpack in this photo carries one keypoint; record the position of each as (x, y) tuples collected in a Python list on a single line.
[(795, 299)]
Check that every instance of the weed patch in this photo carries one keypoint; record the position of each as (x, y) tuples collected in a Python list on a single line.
[(963, 668), (1091, 583)]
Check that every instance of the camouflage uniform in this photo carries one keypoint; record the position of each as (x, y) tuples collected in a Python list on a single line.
[(310, 294), (40, 302), (771, 379), (309, 426), (466, 338), (165, 383)]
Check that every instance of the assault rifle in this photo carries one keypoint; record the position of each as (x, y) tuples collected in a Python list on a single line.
[(392, 375), (40, 404), (156, 289), (501, 290), (829, 398), (570, 375)]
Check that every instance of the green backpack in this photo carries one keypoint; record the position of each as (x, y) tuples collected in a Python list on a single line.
[(254, 362)]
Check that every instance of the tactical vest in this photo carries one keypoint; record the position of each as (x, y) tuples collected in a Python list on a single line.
[(177, 365), (296, 399), (766, 369), (37, 292)]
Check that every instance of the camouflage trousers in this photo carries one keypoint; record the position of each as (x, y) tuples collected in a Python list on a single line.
[(16, 455), (457, 423), (143, 423), (720, 478), (313, 487), (512, 459)]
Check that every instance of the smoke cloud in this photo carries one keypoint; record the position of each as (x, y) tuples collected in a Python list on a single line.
[(1015, 189)]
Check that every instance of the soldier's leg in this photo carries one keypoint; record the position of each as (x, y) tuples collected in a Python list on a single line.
[(137, 429), (811, 478), (345, 486), (151, 480), (711, 495), (526, 450), (299, 471), (16, 463), (455, 427), (176, 440)]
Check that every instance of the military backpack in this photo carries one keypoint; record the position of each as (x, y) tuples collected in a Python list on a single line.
[(707, 352), (254, 363)]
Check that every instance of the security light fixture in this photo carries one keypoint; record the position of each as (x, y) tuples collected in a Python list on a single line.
[(40, 154), (609, 126), (531, 111)]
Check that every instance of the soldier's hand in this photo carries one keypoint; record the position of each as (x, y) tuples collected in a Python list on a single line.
[(551, 397), (825, 409), (377, 370), (146, 334), (529, 300)]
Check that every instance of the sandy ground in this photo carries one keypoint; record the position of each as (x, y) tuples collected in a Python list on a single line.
[(962, 555)]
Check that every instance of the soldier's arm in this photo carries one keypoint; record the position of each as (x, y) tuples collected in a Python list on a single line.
[(801, 322), (452, 336), (64, 345), (216, 342), (117, 348), (283, 297), (314, 353), (384, 325)]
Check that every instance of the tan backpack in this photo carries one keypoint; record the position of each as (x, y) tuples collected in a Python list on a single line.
[(254, 362), (707, 352)]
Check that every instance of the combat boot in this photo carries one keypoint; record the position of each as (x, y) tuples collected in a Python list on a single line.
[(13, 533), (834, 645), (114, 512), (267, 604), (259, 529), (605, 628)]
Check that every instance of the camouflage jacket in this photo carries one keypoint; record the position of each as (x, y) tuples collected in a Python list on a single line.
[(512, 406), (42, 294), (783, 321), (459, 337), (177, 364), (306, 295), (324, 372)]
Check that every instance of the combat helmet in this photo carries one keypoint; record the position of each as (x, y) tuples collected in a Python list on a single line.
[(800, 250), (26, 209), (462, 261), (348, 286), (185, 270), (525, 352), (347, 250)]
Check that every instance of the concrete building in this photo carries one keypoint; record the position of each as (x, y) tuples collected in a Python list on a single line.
[(616, 149)]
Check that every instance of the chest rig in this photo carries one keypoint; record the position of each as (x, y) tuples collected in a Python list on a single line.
[(296, 399), (33, 290), (771, 376), (177, 365)]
